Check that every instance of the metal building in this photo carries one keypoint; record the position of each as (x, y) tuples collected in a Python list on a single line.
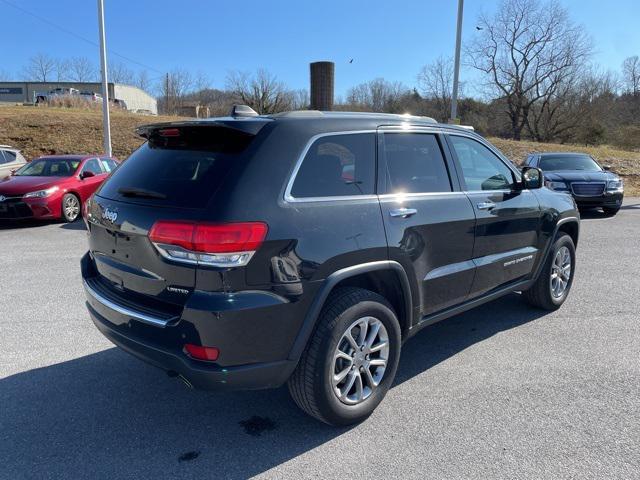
[(135, 99)]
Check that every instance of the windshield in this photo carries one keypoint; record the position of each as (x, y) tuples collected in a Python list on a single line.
[(49, 167), (183, 170), (569, 162)]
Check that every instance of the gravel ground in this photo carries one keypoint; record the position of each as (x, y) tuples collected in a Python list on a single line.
[(503, 391)]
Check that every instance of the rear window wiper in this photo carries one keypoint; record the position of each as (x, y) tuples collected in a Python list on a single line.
[(140, 193)]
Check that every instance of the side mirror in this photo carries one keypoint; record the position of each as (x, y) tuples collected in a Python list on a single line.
[(13, 172), (532, 178), (607, 167), (87, 174)]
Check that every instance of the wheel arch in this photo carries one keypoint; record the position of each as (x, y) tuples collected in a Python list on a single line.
[(570, 226), (375, 276)]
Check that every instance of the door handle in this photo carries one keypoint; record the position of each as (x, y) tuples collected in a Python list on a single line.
[(403, 212), (486, 205)]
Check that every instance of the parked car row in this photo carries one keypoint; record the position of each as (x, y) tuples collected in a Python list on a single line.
[(204, 265)]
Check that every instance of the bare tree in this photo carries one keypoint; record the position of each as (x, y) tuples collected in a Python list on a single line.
[(41, 68), (5, 76), (435, 82), (143, 82), (118, 72), (378, 95), (81, 69), (301, 100), (529, 50), (262, 91), (631, 75)]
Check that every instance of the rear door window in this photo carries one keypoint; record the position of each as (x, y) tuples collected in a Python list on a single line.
[(337, 166), (183, 170), (415, 164)]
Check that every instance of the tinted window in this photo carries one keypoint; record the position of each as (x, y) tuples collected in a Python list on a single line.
[(415, 163), (481, 168), (50, 167), (93, 166), (569, 162), (108, 164), (184, 170), (337, 165), (2, 158)]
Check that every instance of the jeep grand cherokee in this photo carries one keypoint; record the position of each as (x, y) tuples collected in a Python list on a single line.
[(249, 251)]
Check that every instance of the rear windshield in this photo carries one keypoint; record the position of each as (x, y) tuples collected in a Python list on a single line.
[(569, 162), (182, 170)]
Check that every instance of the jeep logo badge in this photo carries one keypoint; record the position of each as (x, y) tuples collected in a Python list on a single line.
[(110, 215)]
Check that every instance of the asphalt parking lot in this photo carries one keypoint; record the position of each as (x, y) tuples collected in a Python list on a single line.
[(504, 391)]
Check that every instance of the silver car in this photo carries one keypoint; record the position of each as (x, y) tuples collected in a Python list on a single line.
[(10, 160)]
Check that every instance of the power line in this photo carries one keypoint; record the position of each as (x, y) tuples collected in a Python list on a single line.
[(79, 37)]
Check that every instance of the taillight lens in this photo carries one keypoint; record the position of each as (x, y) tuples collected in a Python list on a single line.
[(209, 354), (215, 244)]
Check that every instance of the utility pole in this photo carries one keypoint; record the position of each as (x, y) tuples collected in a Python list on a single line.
[(166, 94), (456, 68), (106, 123)]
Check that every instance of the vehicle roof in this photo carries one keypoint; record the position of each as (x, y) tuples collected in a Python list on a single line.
[(562, 154), (9, 147), (67, 157), (313, 118)]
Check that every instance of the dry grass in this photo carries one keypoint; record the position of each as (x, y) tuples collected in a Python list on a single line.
[(48, 130), (39, 131)]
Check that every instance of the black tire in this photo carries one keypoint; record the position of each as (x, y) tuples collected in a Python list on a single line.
[(69, 215), (310, 385), (540, 294), (611, 211)]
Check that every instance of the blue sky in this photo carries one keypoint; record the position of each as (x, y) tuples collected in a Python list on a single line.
[(385, 39)]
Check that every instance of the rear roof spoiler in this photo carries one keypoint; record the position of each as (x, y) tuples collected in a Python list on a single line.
[(249, 125)]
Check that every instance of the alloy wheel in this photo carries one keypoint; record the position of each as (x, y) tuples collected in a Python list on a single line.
[(71, 207), (360, 360), (560, 272)]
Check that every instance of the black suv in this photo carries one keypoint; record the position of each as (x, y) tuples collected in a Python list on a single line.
[(306, 247)]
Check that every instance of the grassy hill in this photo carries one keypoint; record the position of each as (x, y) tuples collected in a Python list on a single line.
[(39, 131)]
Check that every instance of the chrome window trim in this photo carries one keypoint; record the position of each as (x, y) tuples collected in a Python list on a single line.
[(289, 198), (392, 129), (393, 196)]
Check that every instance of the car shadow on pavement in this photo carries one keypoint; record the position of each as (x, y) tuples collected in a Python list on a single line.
[(107, 415), (77, 225), (19, 224)]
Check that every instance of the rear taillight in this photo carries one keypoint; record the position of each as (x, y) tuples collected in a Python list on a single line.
[(214, 244)]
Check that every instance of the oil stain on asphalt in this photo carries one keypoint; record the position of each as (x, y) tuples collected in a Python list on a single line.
[(188, 456), (255, 426)]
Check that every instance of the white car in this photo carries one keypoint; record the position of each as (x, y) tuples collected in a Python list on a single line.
[(10, 160)]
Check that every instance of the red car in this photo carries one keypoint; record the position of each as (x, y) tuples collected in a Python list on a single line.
[(53, 187)]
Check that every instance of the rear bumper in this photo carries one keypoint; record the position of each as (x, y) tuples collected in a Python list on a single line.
[(613, 200), (199, 374), (254, 332)]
